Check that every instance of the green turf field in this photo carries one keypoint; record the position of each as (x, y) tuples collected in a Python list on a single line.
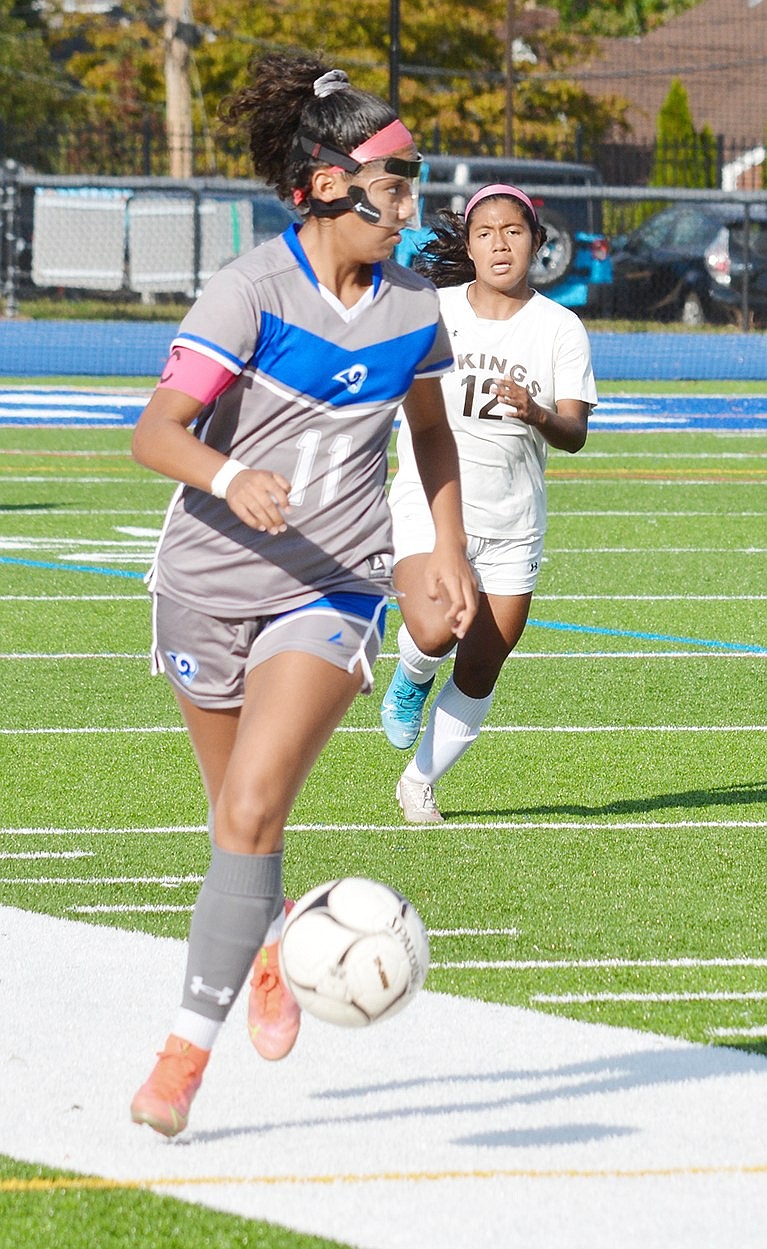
[(603, 839), (71, 381)]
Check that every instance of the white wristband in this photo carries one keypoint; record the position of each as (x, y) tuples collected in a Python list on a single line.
[(225, 476)]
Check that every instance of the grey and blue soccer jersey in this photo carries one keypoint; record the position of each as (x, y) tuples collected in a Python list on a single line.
[(314, 398)]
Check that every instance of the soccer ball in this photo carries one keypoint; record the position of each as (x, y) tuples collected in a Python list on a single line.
[(354, 951)]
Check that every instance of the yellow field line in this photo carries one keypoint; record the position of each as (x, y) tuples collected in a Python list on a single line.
[(98, 1183)]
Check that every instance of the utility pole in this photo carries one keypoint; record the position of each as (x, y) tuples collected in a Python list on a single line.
[(508, 139), (394, 54), (178, 93)]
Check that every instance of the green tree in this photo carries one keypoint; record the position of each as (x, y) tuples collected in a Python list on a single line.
[(452, 74), (683, 156), (114, 63), (31, 90), (619, 18)]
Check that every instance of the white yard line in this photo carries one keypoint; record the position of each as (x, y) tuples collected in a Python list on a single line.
[(656, 550), (80, 598), (652, 598), (457, 1122), (98, 730), (586, 964), (517, 657), (713, 995), (114, 478), (585, 826), (45, 854)]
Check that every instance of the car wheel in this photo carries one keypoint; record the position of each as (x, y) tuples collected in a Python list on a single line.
[(691, 311), (555, 258)]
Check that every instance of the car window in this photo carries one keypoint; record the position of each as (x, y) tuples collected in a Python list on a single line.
[(757, 238), (655, 232), (583, 215), (691, 230)]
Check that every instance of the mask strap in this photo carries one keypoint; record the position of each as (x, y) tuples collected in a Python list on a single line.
[(308, 145)]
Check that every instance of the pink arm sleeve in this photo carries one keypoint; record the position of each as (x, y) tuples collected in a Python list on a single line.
[(196, 375)]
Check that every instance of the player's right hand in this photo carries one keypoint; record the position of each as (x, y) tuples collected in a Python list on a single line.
[(449, 579), (260, 499)]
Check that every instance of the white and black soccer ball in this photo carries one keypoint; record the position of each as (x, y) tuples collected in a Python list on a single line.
[(354, 951)]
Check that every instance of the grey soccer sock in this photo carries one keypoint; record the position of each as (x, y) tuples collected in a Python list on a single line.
[(239, 898)]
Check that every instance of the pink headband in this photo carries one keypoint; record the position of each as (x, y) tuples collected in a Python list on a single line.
[(386, 141), (381, 144), (500, 188)]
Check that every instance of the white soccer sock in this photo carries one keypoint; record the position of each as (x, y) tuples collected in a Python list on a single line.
[(274, 931), (198, 1029), (418, 668), (453, 725)]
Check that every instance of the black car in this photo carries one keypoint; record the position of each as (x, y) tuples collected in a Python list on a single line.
[(687, 263)]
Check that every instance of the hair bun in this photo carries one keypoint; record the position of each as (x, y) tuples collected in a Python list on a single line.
[(334, 80)]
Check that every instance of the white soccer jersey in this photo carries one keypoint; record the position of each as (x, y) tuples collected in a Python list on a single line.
[(313, 397), (543, 347)]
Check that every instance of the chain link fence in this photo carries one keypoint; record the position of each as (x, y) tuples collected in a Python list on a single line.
[(666, 253)]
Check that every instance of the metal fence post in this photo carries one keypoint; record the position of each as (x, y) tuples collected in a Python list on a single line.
[(745, 308), (197, 195), (10, 172)]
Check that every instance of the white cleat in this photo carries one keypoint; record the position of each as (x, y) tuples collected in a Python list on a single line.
[(417, 801)]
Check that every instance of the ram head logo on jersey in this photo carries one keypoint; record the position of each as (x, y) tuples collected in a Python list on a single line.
[(352, 378)]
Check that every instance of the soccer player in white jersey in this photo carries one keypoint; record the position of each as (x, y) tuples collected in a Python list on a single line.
[(273, 567), (522, 382)]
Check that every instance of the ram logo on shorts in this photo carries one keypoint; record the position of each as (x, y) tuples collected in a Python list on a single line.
[(186, 666), (352, 378)]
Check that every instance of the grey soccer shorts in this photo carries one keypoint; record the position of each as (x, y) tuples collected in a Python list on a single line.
[(207, 658)]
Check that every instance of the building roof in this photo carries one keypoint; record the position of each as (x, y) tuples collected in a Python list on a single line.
[(718, 50)]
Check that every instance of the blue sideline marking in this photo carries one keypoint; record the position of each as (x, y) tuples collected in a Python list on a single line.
[(140, 349), (102, 572), (647, 637), (562, 626)]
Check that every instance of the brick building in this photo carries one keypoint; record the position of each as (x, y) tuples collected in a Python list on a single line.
[(718, 50)]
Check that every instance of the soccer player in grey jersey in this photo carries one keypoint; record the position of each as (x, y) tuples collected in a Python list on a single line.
[(271, 574)]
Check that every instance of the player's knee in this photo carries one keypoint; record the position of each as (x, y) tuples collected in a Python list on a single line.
[(431, 636), (250, 823), (476, 675)]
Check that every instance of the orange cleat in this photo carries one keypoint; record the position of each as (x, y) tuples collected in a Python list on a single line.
[(274, 1015), (164, 1101)]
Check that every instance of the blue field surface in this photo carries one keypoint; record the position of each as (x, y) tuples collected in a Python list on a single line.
[(642, 413), (45, 406), (733, 413)]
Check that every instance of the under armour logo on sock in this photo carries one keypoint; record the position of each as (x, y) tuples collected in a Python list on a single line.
[(200, 989)]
